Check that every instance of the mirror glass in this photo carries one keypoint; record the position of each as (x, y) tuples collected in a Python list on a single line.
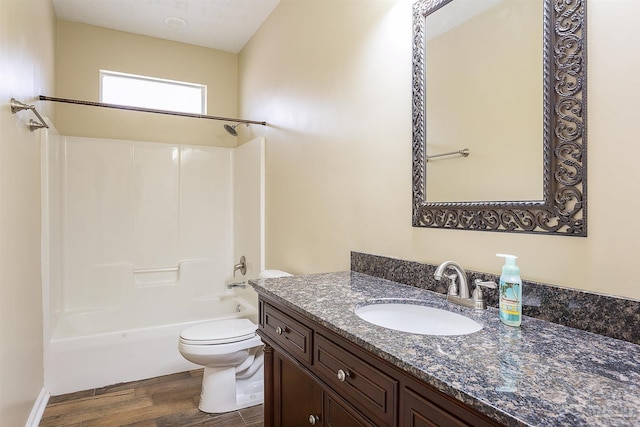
[(499, 115), (483, 82)]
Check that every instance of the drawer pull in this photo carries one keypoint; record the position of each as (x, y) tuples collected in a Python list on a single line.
[(342, 375), (313, 419), (280, 330)]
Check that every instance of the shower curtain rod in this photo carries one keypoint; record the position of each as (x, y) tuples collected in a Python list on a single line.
[(148, 110)]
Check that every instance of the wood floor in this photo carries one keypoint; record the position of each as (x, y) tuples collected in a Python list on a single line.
[(168, 401)]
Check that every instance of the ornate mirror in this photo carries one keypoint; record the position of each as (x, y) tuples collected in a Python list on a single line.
[(499, 115)]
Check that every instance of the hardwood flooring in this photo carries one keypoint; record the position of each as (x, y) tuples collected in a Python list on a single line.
[(167, 401)]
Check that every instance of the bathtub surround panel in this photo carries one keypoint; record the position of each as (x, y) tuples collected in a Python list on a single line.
[(95, 188), (249, 190), (610, 316), (205, 171), (141, 242), (156, 205), (125, 209)]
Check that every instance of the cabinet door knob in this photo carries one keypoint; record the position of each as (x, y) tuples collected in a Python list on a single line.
[(280, 330), (313, 419), (342, 375)]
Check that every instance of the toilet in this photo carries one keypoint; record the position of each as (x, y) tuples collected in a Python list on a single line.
[(233, 360)]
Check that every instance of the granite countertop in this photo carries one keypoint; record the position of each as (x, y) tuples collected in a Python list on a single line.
[(541, 374)]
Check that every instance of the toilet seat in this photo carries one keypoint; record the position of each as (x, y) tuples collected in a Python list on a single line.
[(219, 332)]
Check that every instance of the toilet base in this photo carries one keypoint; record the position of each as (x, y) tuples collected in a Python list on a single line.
[(223, 392)]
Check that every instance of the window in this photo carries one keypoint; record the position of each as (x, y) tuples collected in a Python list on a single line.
[(149, 92)]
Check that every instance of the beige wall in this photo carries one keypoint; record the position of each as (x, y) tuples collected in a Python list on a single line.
[(27, 48), (83, 50), (333, 79)]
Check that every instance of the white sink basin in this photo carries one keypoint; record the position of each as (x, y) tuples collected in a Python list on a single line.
[(417, 319)]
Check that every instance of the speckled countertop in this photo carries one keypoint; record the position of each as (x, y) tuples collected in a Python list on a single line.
[(541, 374)]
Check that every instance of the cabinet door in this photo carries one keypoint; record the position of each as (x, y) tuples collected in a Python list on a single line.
[(298, 398), (339, 414)]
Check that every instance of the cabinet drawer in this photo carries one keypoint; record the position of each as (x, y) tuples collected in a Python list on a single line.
[(287, 332), (423, 407), (370, 390), (420, 412)]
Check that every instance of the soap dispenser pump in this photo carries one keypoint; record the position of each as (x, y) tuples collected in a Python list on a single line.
[(510, 292)]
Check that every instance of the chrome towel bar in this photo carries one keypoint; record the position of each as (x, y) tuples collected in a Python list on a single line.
[(464, 153)]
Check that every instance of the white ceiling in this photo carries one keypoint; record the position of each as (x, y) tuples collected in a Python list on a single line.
[(218, 24)]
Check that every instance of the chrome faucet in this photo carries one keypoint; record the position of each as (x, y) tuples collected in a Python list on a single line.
[(242, 285), (463, 289), (460, 294)]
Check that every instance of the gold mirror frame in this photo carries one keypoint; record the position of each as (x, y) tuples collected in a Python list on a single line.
[(563, 210)]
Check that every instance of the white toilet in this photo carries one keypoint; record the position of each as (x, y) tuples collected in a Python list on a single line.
[(231, 354), (233, 361)]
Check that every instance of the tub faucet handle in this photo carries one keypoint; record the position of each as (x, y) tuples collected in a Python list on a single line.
[(242, 266)]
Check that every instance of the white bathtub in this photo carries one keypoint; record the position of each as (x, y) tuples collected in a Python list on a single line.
[(95, 349)]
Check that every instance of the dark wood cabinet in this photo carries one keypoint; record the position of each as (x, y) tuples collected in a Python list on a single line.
[(367, 387), (300, 400), (298, 396), (293, 336), (313, 376), (424, 406), (340, 414)]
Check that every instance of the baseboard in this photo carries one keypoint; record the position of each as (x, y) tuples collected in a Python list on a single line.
[(38, 409)]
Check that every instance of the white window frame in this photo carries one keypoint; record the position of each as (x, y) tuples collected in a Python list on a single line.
[(145, 103)]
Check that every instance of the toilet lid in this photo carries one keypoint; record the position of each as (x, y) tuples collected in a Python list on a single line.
[(219, 332)]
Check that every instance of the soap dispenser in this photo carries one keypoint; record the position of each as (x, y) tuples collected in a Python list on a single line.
[(510, 292)]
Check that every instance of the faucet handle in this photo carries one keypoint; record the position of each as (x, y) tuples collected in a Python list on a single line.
[(478, 296), (488, 284)]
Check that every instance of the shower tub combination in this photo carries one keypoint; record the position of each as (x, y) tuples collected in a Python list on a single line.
[(82, 357), (139, 241)]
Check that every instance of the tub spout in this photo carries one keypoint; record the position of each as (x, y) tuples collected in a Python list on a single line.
[(237, 285)]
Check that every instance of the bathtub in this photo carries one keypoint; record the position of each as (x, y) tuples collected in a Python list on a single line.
[(94, 349)]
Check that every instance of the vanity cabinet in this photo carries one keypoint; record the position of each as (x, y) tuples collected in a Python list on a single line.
[(315, 377)]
